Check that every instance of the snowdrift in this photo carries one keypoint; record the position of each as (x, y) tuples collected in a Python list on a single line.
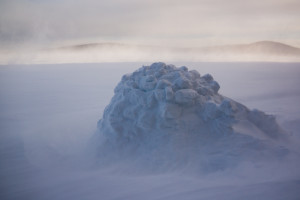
[(163, 117)]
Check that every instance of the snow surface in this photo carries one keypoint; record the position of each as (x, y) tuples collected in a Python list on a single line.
[(49, 113)]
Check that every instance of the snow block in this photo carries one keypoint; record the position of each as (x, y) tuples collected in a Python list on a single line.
[(182, 83), (186, 96), (171, 111), (147, 82)]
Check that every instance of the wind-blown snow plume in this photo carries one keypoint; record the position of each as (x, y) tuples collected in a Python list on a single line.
[(164, 117)]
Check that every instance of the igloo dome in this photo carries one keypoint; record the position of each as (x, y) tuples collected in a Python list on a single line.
[(165, 114)]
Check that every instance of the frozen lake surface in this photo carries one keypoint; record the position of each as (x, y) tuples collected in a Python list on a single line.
[(48, 113)]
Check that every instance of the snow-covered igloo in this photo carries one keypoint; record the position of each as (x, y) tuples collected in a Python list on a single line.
[(167, 116)]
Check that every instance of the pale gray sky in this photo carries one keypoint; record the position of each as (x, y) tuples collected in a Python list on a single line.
[(170, 22)]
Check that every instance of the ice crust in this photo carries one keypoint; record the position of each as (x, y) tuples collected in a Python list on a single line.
[(167, 116)]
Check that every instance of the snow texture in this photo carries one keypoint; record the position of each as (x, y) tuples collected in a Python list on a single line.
[(48, 113), (164, 116)]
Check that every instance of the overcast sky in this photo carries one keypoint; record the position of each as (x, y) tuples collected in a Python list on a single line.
[(170, 22)]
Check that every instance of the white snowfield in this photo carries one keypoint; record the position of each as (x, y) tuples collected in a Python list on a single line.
[(169, 135), (163, 117)]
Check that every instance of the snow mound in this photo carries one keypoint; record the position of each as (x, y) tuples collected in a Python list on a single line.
[(162, 116)]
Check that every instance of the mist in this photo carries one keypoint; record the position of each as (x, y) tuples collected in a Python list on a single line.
[(262, 51), (44, 23), (49, 114)]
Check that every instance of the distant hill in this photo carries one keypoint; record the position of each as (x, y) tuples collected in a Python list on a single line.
[(263, 51), (272, 47), (91, 46), (261, 48), (258, 48)]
